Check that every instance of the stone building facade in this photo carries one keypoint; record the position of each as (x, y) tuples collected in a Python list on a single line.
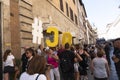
[(62, 14), (112, 28), (91, 33)]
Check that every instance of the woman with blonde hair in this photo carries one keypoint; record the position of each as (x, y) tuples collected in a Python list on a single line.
[(84, 63), (77, 59), (36, 69)]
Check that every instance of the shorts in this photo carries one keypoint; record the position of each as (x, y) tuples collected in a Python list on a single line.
[(9, 69), (76, 65)]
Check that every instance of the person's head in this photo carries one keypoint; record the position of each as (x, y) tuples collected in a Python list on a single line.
[(37, 65), (29, 52), (61, 46), (100, 52), (6, 53), (49, 51), (85, 45), (72, 48), (81, 47), (44, 49), (92, 47), (116, 43), (67, 46), (40, 47), (77, 46), (53, 48)]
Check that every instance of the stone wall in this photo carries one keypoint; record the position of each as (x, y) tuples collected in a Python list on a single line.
[(47, 8), (26, 20)]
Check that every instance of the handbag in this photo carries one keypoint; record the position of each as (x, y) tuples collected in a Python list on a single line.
[(37, 76)]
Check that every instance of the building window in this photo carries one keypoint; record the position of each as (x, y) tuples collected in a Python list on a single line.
[(76, 21), (74, 1), (71, 14), (61, 5), (67, 9)]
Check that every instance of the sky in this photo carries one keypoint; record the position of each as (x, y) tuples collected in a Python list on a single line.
[(102, 12)]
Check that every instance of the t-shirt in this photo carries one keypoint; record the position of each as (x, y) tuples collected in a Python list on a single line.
[(39, 52), (26, 76), (9, 60), (68, 54), (99, 67), (52, 61)]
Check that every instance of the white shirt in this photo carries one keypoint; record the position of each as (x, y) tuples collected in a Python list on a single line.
[(39, 51), (26, 76), (9, 60), (99, 67)]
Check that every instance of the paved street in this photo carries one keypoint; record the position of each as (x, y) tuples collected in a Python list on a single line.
[(90, 77)]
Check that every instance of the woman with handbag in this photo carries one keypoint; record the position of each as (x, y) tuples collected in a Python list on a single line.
[(8, 60)]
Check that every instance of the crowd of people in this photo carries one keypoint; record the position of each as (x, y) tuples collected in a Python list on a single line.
[(68, 62)]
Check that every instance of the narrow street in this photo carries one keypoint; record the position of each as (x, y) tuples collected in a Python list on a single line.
[(43, 27)]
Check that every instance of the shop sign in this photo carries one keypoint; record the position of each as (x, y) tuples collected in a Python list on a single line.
[(37, 31), (66, 38), (38, 35)]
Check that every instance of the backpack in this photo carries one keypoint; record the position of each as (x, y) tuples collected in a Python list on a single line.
[(66, 64)]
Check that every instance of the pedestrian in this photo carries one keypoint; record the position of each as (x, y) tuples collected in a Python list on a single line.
[(116, 57), (92, 52), (24, 60), (60, 50), (30, 53), (67, 63), (52, 59), (39, 50), (9, 65), (99, 66), (107, 52), (77, 59), (84, 63), (36, 69)]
